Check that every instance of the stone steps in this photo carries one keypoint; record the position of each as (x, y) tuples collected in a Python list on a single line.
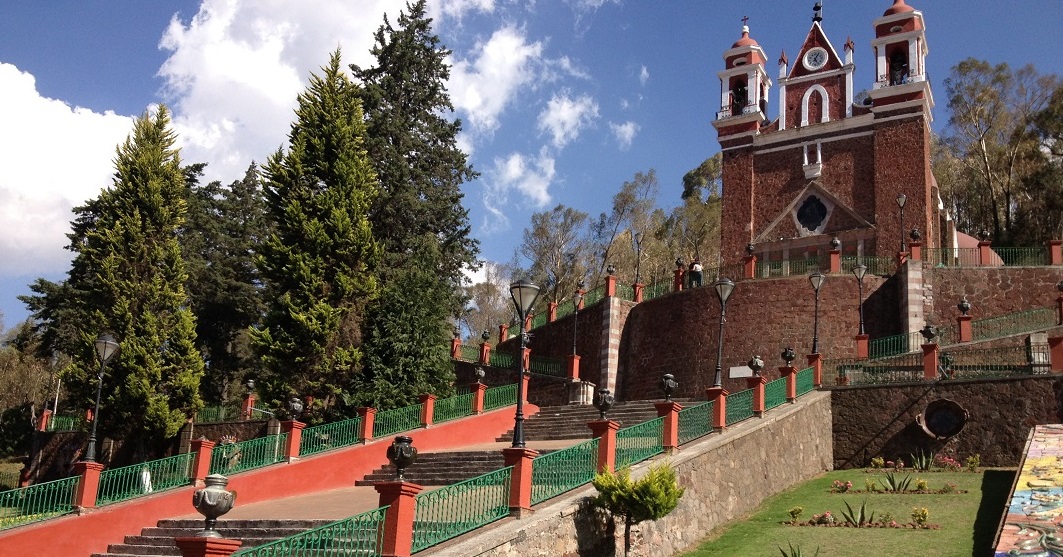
[(159, 539), (570, 422)]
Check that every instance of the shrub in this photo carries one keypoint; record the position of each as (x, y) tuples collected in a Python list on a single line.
[(878, 462), (869, 485), (921, 485), (949, 488), (652, 497), (841, 487), (973, 462), (795, 513), (920, 515)]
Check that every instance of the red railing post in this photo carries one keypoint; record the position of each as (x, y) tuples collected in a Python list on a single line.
[(520, 482), (985, 253), (815, 361), (400, 499), (637, 288), (455, 348), (915, 251), (582, 295), (294, 429), (677, 282), (757, 383), (749, 266), (790, 373), (88, 487), (966, 331), (669, 410), (478, 390), (1055, 252), (485, 353), (835, 261), (610, 286), (930, 361), (551, 309), (1055, 353), (428, 409), (42, 422), (862, 349), (368, 416), (573, 367), (249, 403), (605, 432), (201, 462), (503, 332), (718, 396), (195, 546)]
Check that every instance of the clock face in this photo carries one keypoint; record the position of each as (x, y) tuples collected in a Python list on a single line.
[(815, 58)]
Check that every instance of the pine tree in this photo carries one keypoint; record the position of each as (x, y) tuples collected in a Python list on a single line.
[(418, 218), (128, 278), (319, 259)]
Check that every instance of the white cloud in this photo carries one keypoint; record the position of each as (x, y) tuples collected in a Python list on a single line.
[(458, 8), (624, 133), (644, 75), (557, 69), (484, 86), (53, 157), (236, 68), (564, 117), (529, 176)]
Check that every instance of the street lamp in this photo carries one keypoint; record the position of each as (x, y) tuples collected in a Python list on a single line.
[(576, 299), (638, 257), (724, 287), (860, 270), (524, 293), (901, 199), (106, 348), (816, 279)]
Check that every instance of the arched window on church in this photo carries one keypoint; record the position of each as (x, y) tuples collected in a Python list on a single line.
[(898, 66), (739, 96)]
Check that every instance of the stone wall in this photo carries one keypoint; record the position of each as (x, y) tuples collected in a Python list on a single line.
[(880, 421), (991, 290), (720, 486)]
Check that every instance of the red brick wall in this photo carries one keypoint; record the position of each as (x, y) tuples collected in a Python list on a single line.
[(902, 165)]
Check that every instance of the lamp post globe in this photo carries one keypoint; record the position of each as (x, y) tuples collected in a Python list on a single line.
[(816, 279), (106, 348), (724, 286), (524, 293)]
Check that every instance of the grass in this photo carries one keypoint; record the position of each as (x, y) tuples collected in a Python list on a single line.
[(968, 520)]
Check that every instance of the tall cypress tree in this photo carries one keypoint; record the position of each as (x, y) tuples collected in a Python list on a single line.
[(418, 217), (319, 259), (128, 278)]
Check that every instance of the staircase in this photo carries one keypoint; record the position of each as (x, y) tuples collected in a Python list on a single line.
[(160, 539), (442, 468), (570, 422)]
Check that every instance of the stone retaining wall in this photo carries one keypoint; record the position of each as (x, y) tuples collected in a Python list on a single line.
[(725, 476)]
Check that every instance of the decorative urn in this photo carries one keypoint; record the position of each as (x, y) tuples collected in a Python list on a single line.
[(788, 355), (603, 401), (402, 454), (213, 501), (668, 386)]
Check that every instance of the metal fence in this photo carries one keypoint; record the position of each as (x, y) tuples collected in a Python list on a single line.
[(66, 423), (450, 511), (952, 257), (390, 422), (217, 414), (230, 458), (656, 290), (452, 408), (805, 380), (359, 535), (1013, 323), (774, 393), (497, 397), (875, 264), (905, 368), (469, 353), (639, 442), (138, 480), (326, 437), (1008, 361), (545, 365), (695, 422), (504, 360), (739, 406), (560, 471), (38, 502)]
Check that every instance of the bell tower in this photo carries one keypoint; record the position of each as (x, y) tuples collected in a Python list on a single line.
[(744, 87)]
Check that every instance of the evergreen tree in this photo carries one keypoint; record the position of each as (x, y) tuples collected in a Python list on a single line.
[(223, 230), (319, 258), (128, 278), (418, 218)]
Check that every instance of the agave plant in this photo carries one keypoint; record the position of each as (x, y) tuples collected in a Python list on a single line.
[(923, 461), (858, 518), (895, 484), (795, 551)]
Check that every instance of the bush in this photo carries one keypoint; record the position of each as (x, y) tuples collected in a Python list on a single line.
[(652, 497)]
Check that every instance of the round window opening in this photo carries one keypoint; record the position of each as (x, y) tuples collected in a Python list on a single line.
[(942, 418)]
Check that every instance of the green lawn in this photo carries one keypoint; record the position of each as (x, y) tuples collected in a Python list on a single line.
[(968, 520)]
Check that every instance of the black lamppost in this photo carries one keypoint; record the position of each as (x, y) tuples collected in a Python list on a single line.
[(576, 299), (724, 287), (816, 279), (638, 257), (900, 203), (524, 293), (859, 271), (106, 348)]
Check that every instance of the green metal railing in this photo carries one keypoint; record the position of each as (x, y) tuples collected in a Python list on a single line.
[(503, 360), (36, 503), (952, 257), (565, 470), (539, 319), (625, 292), (788, 267), (469, 353), (1013, 323), (497, 397), (695, 422), (8, 479), (1023, 257), (775, 393), (66, 423), (566, 308), (325, 437), (1006, 361), (639, 442), (656, 290), (450, 511), (138, 480), (876, 265), (452, 408), (390, 422), (895, 345), (216, 414), (804, 381), (739, 406), (230, 458), (905, 368), (594, 296), (547, 366), (359, 535)]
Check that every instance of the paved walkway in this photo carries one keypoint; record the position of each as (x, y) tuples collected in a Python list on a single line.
[(337, 504)]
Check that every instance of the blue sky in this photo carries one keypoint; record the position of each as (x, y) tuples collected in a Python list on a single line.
[(562, 100)]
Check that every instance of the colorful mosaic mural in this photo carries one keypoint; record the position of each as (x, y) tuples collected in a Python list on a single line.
[(1034, 524)]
